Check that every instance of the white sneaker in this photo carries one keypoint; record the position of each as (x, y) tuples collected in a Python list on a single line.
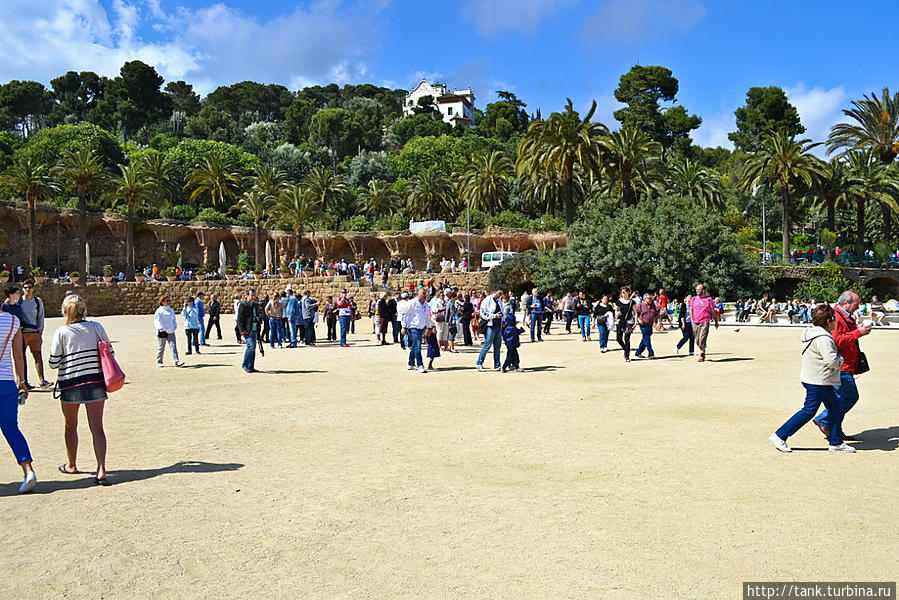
[(676, 350), (519, 370), (479, 368), (421, 369), (179, 363), (158, 364), (28, 484), (780, 444), (411, 367), (841, 448)]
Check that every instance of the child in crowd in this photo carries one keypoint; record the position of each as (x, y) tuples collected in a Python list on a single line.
[(511, 334), (433, 346)]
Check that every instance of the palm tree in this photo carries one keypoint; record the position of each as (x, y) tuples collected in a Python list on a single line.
[(559, 143), (83, 173), (543, 190), (294, 206), (630, 158), (216, 177), (256, 204), (325, 188), (876, 127), (164, 186), (134, 187), (692, 180), (485, 181), (832, 188), (783, 159), (869, 179), (268, 180), (33, 183), (431, 195), (379, 198)]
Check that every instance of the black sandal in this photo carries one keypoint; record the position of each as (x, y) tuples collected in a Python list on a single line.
[(99, 481), (62, 469)]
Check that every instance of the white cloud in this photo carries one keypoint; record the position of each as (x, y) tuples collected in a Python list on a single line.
[(321, 42), (819, 109), (494, 16), (714, 129), (638, 21)]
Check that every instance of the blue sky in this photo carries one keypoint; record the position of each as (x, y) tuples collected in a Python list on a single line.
[(823, 53)]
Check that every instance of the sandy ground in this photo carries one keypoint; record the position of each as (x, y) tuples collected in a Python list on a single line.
[(336, 473)]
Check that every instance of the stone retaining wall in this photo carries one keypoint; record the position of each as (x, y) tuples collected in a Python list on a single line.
[(131, 298)]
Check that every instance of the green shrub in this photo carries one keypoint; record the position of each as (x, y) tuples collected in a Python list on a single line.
[(827, 283), (392, 222), (478, 219), (510, 219), (550, 222), (357, 223), (179, 212), (210, 215), (245, 261)]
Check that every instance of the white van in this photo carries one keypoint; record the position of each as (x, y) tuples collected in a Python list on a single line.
[(491, 259)]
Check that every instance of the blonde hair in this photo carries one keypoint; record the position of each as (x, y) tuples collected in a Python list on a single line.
[(74, 308)]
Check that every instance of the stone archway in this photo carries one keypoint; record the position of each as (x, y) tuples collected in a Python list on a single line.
[(883, 286)]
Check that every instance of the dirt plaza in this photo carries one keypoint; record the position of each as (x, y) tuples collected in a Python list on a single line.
[(337, 473)]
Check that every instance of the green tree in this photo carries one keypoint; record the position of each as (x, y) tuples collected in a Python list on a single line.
[(767, 109), (379, 199), (190, 154), (504, 117), (182, 97), (134, 187), (643, 88), (629, 158), (832, 188), (431, 196), (402, 130), (557, 145), (869, 180), (337, 129), (327, 190), (296, 207), (75, 96), (268, 180), (256, 204), (141, 102), (25, 104), (485, 181), (83, 173), (671, 243), (690, 180), (217, 178), (784, 161), (31, 183), (47, 146)]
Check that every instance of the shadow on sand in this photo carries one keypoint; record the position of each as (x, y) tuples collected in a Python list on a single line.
[(85, 479), (886, 439)]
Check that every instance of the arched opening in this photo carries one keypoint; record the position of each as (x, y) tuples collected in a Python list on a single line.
[(883, 287)]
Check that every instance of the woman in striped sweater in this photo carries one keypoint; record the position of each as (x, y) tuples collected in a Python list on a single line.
[(74, 352)]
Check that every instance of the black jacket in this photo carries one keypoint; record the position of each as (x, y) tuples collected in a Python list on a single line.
[(214, 309), (247, 315), (391, 309)]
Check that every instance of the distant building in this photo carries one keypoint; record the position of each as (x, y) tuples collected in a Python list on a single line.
[(455, 108)]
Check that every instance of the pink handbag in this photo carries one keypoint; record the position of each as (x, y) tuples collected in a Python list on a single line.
[(113, 375)]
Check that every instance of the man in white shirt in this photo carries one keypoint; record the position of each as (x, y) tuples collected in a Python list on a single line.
[(416, 319), (491, 311)]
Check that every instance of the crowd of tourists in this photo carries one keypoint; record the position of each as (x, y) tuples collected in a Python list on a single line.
[(767, 310)]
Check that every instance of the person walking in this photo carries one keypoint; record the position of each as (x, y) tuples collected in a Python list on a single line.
[(34, 312), (165, 323), (344, 316), (191, 325), (604, 313), (685, 324), (215, 314), (433, 346), (569, 303), (13, 307), (275, 312), (438, 314), (310, 309), (199, 302), (12, 393), (647, 314), (702, 311), (549, 309), (383, 317), (75, 354), (582, 308), (466, 312), (624, 309), (331, 318), (820, 375), (846, 334), (416, 319), (491, 313), (535, 310), (292, 313), (392, 316), (247, 319), (512, 337)]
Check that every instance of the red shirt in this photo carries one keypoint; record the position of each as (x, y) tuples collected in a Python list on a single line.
[(846, 333), (663, 300)]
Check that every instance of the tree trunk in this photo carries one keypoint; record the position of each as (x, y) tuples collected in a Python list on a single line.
[(831, 215), (129, 243), (785, 224), (887, 222), (32, 230), (569, 202), (860, 227), (258, 241), (82, 233)]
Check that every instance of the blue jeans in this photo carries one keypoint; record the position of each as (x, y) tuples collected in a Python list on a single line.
[(646, 342), (344, 326), (815, 395), (583, 322), (492, 336), (415, 346), (847, 396), (9, 421), (537, 322), (293, 322), (603, 335), (396, 330), (249, 355), (275, 335), (512, 359), (202, 332)]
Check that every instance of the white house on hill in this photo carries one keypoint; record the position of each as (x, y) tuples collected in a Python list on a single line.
[(455, 108)]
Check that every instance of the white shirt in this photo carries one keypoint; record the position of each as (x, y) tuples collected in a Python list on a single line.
[(9, 324), (417, 315), (489, 307), (401, 309), (165, 319)]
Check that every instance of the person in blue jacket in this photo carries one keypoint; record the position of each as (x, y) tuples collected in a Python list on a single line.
[(292, 314), (511, 334), (191, 325), (535, 309)]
